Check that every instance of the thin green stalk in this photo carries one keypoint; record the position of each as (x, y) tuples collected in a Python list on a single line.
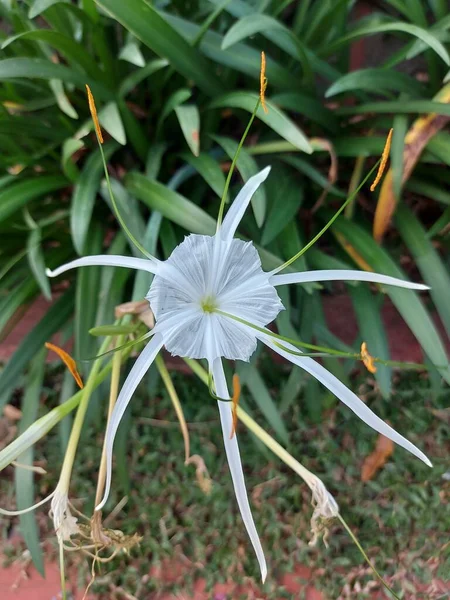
[(354, 181), (366, 558), (328, 225), (208, 22), (124, 226), (165, 376), (322, 350), (66, 471), (42, 426), (233, 164)]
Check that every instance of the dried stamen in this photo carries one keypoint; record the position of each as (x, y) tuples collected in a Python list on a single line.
[(367, 359), (235, 402), (263, 83), (384, 159), (68, 361), (94, 114)]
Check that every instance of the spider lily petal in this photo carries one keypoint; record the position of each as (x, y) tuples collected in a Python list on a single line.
[(234, 462), (343, 275), (239, 206), (107, 260), (138, 371), (343, 393)]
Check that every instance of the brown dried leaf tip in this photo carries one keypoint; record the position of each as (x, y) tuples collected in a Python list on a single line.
[(68, 361), (377, 459), (263, 83), (235, 402), (93, 110), (367, 359), (384, 159)]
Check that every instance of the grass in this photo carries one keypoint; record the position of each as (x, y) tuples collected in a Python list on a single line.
[(399, 516)]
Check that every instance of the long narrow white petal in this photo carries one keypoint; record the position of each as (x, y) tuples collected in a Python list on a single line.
[(239, 206), (138, 371), (107, 260), (234, 462), (343, 275), (344, 394)]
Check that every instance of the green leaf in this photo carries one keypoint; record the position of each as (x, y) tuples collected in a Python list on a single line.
[(62, 100), (247, 167), (103, 330), (189, 119), (111, 121), (171, 204), (365, 30), (375, 80), (402, 107), (275, 118), (209, 169), (430, 265), (286, 195), (70, 146), (40, 68), (13, 197), (70, 49), (132, 54), (372, 331), (33, 342), (407, 302), (309, 107), (248, 26), (304, 167), (178, 97), (13, 304), (84, 195), (24, 478), (87, 298), (240, 57), (430, 190), (39, 6), (251, 378), (36, 261), (135, 78), (145, 23)]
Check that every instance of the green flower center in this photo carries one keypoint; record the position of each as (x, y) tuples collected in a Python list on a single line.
[(208, 304)]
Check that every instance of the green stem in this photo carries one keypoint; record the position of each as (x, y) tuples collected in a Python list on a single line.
[(366, 558), (42, 426), (77, 426), (328, 225), (122, 223), (354, 181), (165, 376), (233, 164)]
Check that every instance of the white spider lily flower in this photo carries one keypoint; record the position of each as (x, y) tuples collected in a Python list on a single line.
[(206, 275)]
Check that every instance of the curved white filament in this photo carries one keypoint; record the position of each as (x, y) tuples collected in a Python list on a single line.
[(235, 464), (135, 376), (342, 392), (343, 275), (106, 260)]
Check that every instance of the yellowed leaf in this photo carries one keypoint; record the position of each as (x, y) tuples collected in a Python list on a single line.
[(418, 136), (377, 459)]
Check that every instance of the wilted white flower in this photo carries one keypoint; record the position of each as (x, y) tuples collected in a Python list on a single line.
[(64, 522), (212, 300)]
